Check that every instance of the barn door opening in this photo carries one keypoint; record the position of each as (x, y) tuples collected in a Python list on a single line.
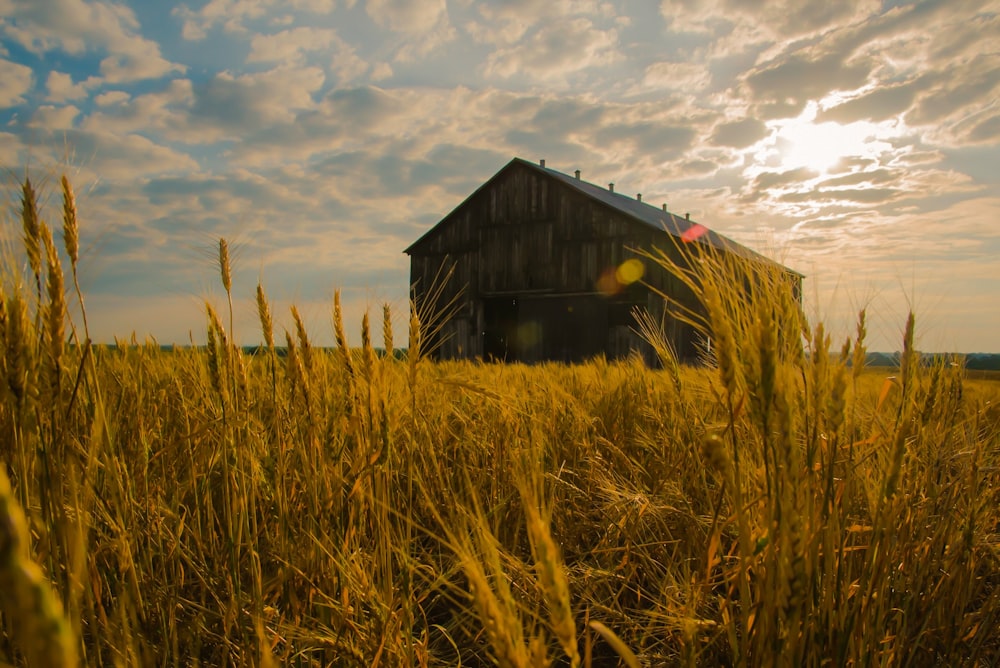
[(500, 329)]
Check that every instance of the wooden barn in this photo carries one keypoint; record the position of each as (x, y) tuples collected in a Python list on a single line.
[(536, 261)]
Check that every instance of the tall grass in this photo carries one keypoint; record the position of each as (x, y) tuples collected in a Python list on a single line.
[(305, 506)]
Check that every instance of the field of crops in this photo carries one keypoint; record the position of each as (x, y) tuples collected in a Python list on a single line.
[(781, 506)]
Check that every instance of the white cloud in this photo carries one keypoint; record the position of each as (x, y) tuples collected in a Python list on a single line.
[(112, 98), (54, 118), (289, 46), (15, 82), (162, 110), (556, 50), (77, 27), (507, 21), (234, 15), (381, 71), (238, 103), (229, 13), (408, 16), (62, 89), (144, 62), (128, 157), (295, 45)]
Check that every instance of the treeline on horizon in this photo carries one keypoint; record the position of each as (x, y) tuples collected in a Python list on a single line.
[(873, 360)]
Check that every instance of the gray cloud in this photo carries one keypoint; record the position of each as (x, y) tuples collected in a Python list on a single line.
[(234, 104), (647, 137), (739, 134), (987, 131), (873, 177), (968, 84), (767, 180), (801, 76), (880, 104), (844, 195)]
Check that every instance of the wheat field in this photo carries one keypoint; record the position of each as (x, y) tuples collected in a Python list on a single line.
[(779, 506)]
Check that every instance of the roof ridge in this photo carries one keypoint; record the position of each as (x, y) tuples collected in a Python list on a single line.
[(644, 212)]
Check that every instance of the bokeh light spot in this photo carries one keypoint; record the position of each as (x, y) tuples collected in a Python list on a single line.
[(693, 232), (630, 271), (607, 283)]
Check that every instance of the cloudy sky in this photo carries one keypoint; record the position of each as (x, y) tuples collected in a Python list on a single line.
[(858, 142)]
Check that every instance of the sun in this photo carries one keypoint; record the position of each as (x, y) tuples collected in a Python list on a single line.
[(803, 143)]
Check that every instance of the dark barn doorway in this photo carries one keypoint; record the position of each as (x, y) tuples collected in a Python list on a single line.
[(499, 329), (530, 329)]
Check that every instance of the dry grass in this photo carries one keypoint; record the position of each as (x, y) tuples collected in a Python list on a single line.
[(210, 507)]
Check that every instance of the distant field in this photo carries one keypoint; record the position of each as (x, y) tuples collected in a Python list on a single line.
[(971, 374)]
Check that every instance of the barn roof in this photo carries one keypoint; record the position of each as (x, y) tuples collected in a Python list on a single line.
[(635, 209)]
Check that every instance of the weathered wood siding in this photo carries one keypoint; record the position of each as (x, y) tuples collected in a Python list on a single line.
[(527, 236)]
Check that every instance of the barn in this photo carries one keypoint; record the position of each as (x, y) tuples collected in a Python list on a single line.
[(537, 265)]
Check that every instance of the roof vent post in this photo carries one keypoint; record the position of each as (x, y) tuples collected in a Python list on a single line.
[(664, 207), (611, 187), (541, 163), (687, 216), (638, 197), (578, 174)]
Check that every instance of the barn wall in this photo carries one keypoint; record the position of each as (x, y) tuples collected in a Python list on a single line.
[(530, 238)]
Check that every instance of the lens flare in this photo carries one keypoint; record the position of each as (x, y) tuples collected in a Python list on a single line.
[(630, 271), (693, 232), (607, 283), (615, 279)]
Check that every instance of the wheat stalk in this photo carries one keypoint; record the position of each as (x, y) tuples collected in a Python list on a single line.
[(553, 580), (387, 341), (264, 314), (35, 612), (55, 312)]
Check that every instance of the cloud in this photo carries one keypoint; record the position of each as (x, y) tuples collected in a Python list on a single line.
[(739, 134), (16, 81), (789, 81), (234, 104), (112, 98), (876, 105), (164, 110), (79, 27), (987, 132), (408, 16), (289, 46), (793, 177), (681, 76), (556, 50), (507, 21), (54, 118), (647, 137), (113, 156), (62, 89), (741, 26), (871, 177), (969, 86), (301, 45), (230, 13)]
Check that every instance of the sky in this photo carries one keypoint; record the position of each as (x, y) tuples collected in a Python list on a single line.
[(857, 142)]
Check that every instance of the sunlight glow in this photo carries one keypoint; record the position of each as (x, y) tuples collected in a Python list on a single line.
[(803, 143)]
